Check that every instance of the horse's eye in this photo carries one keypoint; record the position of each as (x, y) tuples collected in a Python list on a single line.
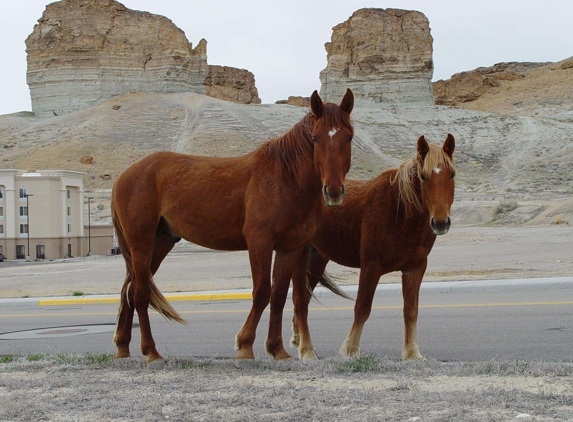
[(350, 138), (314, 139), (453, 175), (423, 177)]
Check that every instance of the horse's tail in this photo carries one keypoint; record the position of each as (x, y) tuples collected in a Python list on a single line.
[(158, 302), (327, 281), (156, 299)]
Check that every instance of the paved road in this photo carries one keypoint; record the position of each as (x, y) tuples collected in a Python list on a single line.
[(478, 320)]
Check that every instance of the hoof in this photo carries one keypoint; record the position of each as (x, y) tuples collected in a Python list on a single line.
[(245, 363), (350, 353), (308, 355), (156, 364), (412, 354)]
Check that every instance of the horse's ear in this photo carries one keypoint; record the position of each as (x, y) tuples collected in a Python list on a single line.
[(423, 148), (347, 103), (449, 145), (316, 105)]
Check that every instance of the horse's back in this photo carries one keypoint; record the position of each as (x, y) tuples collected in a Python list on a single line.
[(201, 199)]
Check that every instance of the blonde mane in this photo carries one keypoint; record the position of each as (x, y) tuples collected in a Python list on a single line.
[(413, 168)]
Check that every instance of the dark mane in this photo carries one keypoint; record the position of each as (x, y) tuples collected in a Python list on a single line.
[(294, 149)]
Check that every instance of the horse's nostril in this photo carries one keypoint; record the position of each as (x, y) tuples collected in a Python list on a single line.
[(325, 191), (433, 223), (342, 190), (448, 223)]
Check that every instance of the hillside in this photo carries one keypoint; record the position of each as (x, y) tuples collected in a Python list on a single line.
[(517, 89), (511, 169)]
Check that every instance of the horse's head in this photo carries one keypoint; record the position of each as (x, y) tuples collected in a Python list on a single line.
[(332, 135), (436, 172)]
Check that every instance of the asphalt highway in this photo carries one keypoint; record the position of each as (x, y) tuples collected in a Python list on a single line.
[(529, 319)]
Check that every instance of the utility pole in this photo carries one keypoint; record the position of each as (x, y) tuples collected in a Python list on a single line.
[(89, 228)]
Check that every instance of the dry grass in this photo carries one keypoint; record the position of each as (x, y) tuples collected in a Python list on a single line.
[(370, 388)]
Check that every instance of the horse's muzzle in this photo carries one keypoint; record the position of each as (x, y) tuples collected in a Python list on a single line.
[(441, 226), (331, 200)]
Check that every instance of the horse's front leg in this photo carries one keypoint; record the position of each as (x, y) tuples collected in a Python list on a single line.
[(411, 282), (306, 276), (369, 276), (260, 257), (284, 267)]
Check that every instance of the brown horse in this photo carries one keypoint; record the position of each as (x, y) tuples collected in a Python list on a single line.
[(267, 200), (386, 224)]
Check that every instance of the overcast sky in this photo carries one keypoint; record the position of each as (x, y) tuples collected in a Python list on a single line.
[(282, 42)]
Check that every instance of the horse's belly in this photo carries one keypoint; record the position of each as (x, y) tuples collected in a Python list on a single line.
[(212, 235), (342, 254)]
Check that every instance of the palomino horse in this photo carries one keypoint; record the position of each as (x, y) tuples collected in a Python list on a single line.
[(386, 224), (267, 200)]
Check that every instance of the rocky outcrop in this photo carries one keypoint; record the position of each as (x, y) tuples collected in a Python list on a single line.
[(469, 86), (524, 89), (383, 55), (231, 84), (84, 52), (296, 101)]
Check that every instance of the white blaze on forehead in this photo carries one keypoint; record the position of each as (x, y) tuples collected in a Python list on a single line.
[(437, 170), (332, 132)]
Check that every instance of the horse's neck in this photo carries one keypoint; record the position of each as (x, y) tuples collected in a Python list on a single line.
[(294, 152)]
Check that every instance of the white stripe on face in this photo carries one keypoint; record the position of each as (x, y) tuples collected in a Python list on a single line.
[(332, 132), (437, 170)]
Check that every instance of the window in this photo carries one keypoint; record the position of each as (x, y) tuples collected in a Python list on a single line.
[(1, 195), (22, 193), (1, 213), (23, 211), (68, 194), (69, 228), (23, 229), (69, 213), (1, 230), (20, 252)]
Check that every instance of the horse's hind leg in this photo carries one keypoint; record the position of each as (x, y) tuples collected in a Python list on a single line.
[(306, 276), (284, 266), (411, 282), (122, 338), (141, 294)]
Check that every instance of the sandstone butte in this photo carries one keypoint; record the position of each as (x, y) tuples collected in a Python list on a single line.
[(83, 52), (383, 55)]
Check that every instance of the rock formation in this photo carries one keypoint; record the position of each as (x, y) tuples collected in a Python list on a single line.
[(84, 52), (231, 84), (383, 55), (526, 89), (469, 86), (296, 101)]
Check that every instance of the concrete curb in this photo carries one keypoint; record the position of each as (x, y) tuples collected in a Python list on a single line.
[(170, 298), (246, 294)]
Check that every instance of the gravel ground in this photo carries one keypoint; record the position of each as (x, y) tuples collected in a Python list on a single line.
[(96, 388)]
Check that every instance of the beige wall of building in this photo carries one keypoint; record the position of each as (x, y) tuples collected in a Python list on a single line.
[(42, 216)]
